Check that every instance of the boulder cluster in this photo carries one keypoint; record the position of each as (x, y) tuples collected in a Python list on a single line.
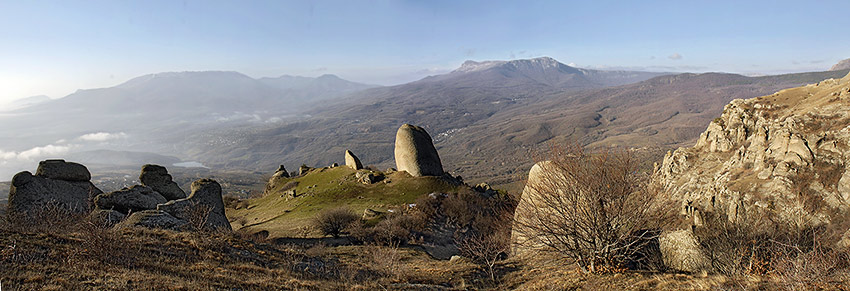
[(158, 202), (56, 183), (414, 153)]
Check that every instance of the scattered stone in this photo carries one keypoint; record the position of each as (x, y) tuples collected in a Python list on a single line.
[(352, 161), (29, 194), (135, 198), (334, 165), (368, 178), (157, 178), (205, 197), (456, 259), (154, 219), (390, 170), (415, 152), (62, 170), (276, 178)]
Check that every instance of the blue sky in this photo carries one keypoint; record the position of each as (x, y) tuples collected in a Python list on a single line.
[(56, 47)]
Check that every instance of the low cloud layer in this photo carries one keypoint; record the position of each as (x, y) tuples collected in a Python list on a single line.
[(36, 153), (675, 56), (102, 136)]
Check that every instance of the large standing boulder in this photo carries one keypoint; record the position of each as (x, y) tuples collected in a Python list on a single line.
[(135, 198), (29, 194), (352, 161), (157, 177), (205, 199), (415, 152), (524, 241), (154, 219), (62, 170)]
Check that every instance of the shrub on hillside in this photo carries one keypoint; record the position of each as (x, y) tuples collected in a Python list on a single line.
[(334, 221), (595, 208)]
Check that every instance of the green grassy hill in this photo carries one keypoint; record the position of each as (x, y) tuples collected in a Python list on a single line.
[(283, 215)]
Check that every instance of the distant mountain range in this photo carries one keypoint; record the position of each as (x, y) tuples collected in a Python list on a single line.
[(485, 117), (842, 65)]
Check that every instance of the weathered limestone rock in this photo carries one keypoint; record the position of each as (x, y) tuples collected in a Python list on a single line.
[(760, 150), (62, 170), (205, 199), (135, 198), (681, 251), (153, 219), (157, 178), (415, 152), (352, 161), (29, 194)]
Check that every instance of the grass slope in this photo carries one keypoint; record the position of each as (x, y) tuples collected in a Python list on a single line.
[(324, 188)]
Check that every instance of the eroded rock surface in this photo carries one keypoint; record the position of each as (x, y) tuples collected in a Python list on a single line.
[(783, 155), (157, 178), (204, 204), (60, 185), (135, 198)]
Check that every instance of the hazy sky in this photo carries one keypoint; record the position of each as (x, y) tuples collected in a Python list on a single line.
[(56, 47)]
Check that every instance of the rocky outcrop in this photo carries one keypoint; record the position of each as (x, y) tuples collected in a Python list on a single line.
[(133, 199), (415, 152), (157, 178), (278, 175), (784, 155), (205, 203), (58, 184), (281, 172), (154, 219), (62, 170), (352, 161), (842, 65), (303, 170)]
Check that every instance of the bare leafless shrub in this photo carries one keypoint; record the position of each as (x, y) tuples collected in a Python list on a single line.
[(802, 257), (486, 249), (50, 217), (592, 207), (335, 220)]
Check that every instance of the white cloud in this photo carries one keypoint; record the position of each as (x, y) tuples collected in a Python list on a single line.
[(675, 56), (38, 152), (102, 136), (48, 151)]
